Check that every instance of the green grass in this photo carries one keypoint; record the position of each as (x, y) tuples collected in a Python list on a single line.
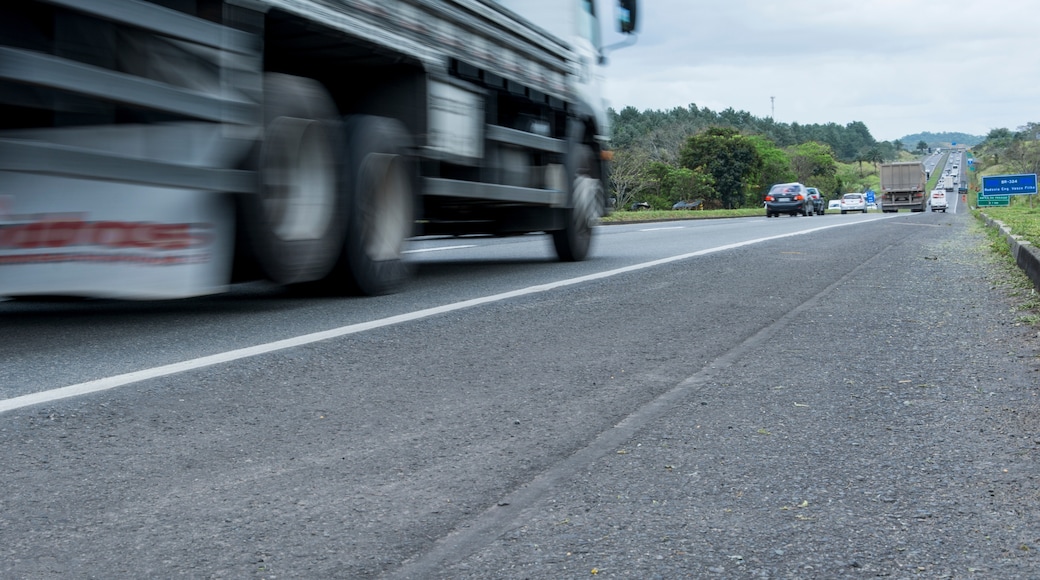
[(1014, 283), (1021, 219), (937, 172), (681, 214)]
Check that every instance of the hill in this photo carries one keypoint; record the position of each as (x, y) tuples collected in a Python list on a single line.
[(944, 139)]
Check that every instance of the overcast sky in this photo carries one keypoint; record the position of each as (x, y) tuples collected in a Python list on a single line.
[(899, 66)]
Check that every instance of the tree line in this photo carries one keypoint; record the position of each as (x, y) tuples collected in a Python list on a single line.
[(1010, 151), (729, 159)]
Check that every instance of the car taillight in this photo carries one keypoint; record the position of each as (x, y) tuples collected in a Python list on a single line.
[(769, 198), (799, 197)]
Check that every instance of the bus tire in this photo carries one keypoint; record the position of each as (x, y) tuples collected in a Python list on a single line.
[(294, 224), (382, 180), (573, 242)]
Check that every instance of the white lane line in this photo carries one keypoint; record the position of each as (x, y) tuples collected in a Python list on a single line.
[(107, 383), (662, 229), (441, 249)]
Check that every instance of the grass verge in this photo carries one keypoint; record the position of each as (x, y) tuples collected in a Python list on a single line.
[(681, 214), (1014, 282), (1021, 219)]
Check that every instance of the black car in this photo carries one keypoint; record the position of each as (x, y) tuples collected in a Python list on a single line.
[(818, 203), (789, 198)]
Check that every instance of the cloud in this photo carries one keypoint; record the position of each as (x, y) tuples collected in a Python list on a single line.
[(899, 66)]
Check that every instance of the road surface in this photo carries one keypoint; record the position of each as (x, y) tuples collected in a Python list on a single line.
[(835, 396)]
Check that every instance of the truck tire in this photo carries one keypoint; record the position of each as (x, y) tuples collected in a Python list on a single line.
[(381, 176), (572, 243), (294, 224)]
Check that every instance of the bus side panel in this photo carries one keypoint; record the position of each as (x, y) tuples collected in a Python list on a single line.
[(80, 237)]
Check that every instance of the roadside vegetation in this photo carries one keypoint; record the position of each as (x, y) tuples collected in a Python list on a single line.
[(1013, 282), (1010, 153), (728, 160)]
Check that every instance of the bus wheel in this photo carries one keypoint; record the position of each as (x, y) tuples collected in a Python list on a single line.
[(382, 179), (294, 225), (573, 242)]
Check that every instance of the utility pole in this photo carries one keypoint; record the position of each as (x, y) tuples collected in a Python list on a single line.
[(772, 107)]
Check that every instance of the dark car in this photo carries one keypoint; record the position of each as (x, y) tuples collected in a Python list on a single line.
[(819, 204), (789, 198), (687, 204)]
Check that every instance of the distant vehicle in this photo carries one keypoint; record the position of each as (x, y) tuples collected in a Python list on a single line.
[(790, 198), (639, 205), (937, 201), (902, 186), (694, 204), (819, 207), (834, 204), (853, 202)]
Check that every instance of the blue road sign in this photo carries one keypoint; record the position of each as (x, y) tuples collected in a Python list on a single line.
[(1008, 184), (870, 196)]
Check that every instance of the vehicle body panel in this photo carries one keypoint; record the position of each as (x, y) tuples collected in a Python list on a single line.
[(139, 113)]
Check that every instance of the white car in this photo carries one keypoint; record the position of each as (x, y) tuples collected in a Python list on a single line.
[(834, 204), (853, 202), (938, 200)]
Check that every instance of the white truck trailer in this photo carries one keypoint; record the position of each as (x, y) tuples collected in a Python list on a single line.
[(167, 148)]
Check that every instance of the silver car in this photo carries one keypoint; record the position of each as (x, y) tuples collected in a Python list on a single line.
[(853, 202)]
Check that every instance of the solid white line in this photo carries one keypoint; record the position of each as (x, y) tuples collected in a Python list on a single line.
[(233, 355), (441, 249), (662, 229)]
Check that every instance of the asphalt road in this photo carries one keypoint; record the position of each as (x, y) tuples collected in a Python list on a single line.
[(826, 397)]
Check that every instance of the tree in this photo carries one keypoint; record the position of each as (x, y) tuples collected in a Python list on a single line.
[(875, 156), (776, 168), (922, 146), (814, 164), (1023, 154), (671, 184), (729, 157), (999, 136), (628, 175), (898, 145)]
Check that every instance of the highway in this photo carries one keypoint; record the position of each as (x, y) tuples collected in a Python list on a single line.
[(810, 397), (100, 339)]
